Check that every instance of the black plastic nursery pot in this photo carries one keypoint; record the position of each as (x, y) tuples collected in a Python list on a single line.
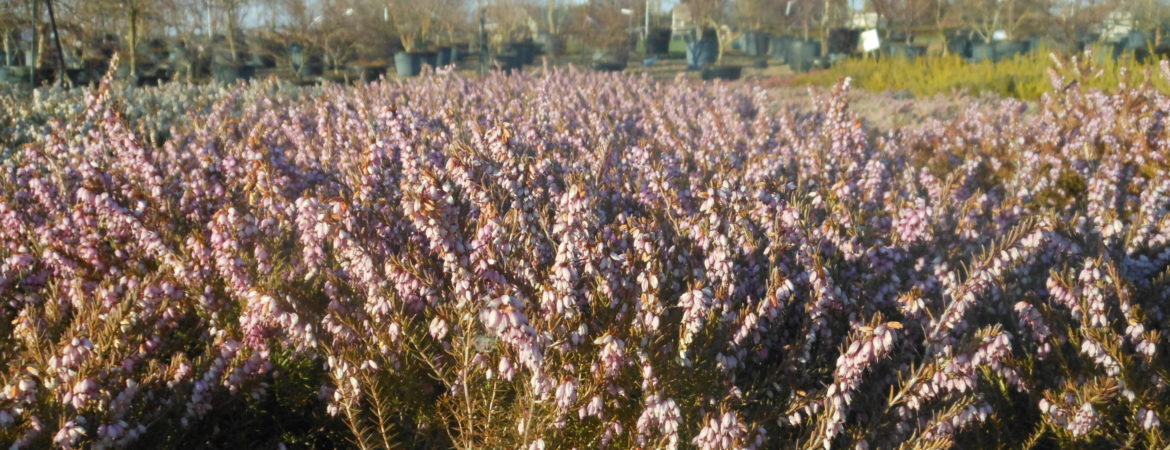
[(908, 51), (802, 55), (445, 56), (229, 73), (14, 74), (509, 62), (982, 51), (1005, 50), (552, 44), (755, 43), (721, 73), (959, 45), (959, 42), (609, 66), (525, 51), (461, 51), (843, 41), (658, 41), (1135, 43), (81, 76), (778, 48), (407, 64), (702, 53), (430, 58), (368, 72), (1030, 45)]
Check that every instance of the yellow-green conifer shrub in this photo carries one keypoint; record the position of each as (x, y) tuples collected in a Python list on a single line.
[(1024, 77)]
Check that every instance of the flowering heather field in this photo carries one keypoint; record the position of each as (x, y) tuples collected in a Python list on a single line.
[(580, 260)]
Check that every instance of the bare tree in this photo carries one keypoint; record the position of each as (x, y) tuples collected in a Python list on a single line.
[(335, 29), (12, 16), (803, 15), (132, 20), (1148, 15), (985, 17), (230, 13), (552, 19), (1071, 19), (713, 15), (761, 15), (416, 21), (452, 18), (602, 25), (510, 19), (905, 15)]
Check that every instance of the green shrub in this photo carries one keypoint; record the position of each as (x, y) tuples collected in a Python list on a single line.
[(1024, 77)]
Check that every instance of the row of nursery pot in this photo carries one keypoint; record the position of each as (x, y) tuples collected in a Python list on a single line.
[(908, 51), (409, 64), (702, 54), (702, 48), (658, 41), (801, 55), (515, 55), (15, 74), (975, 49)]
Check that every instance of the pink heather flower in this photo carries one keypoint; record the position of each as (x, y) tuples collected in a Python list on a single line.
[(576, 218), (612, 355), (566, 394), (1030, 319), (70, 433), (438, 328), (1084, 421), (913, 224), (506, 370), (83, 391), (1094, 351), (592, 409), (861, 354), (695, 305), (723, 432), (1148, 419), (660, 417)]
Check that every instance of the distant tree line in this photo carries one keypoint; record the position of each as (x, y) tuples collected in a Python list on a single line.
[(336, 31)]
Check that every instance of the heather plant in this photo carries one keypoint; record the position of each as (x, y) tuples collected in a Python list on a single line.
[(575, 260)]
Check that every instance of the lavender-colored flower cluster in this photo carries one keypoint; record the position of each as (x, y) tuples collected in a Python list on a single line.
[(581, 260)]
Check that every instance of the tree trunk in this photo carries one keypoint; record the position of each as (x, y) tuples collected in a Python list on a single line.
[(7, 49), (552, 21), (825, 28), (41, 43), (231, 32), (36, 35), (938, 25), (1011, 20), (132, 40)]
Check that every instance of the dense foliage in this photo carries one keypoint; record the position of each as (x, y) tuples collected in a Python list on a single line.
[(1023, 77), (582, 260)]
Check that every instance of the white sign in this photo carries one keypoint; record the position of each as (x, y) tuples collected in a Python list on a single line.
[(870, 40), (999, 35)]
